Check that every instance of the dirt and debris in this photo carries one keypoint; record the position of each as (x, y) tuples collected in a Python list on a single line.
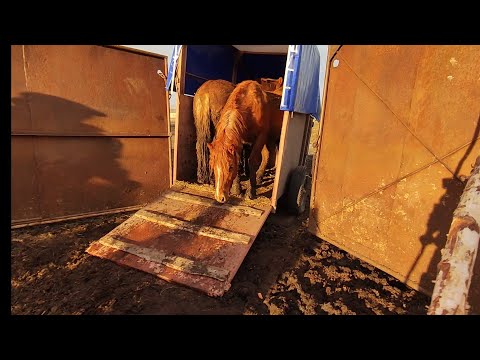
[(287, 271)]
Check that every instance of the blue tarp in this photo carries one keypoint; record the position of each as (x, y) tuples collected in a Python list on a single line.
[(302, 85), (172, 65)]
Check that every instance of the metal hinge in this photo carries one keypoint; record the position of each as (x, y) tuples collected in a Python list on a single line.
[(162, 75)]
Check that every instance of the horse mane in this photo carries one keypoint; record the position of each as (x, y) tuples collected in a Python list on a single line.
[(231, 129)]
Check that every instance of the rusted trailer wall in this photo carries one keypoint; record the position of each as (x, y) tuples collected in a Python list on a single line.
[(90, 131), (400, 128)]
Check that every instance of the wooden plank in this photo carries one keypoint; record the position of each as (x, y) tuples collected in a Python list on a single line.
[(289, 151), (171, 261), (185, 155), (455, 269), (200, 200), (182, 69), (203, 230), (171, 133)]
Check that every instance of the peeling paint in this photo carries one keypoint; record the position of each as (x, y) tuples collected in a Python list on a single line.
[(455, 269), (453, 61)]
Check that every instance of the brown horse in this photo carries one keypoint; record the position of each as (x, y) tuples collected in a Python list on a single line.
[(247, 117), (208, 102), (272, 85)]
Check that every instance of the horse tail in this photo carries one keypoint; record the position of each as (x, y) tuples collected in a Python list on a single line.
[(201, 115)]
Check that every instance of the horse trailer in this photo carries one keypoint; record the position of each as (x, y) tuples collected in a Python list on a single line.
[(398, 135), (75, 145)]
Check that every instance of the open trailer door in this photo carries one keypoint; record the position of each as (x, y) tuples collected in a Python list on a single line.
[(400, 132), (90, 131)]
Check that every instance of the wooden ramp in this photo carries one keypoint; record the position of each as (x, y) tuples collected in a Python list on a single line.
[(186, 237)]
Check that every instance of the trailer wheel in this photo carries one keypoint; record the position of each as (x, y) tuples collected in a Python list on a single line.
[(297, 195)]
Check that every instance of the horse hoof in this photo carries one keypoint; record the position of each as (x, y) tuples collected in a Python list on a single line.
[(251, 195)]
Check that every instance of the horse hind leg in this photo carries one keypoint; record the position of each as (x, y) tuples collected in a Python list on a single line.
[(272, 153), (254, 162), (263, 165), (212, 125), (202, 161), (236, 188), (245, 155)]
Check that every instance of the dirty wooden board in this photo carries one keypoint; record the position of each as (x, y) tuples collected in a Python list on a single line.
[(186, 237)]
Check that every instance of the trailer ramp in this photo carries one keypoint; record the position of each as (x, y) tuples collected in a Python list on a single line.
[(188, 238)]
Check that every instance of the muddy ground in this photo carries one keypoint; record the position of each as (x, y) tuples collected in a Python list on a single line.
[(287, 271)]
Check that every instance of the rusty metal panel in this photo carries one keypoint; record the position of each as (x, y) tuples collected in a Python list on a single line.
[(99, 122), (445, 107), (427, 87), (462, 160), (395, 64), (83, 174), (370, 147), (392, 230), (213, 260), (20, 110), (400, 126), (24, 186), (78, 90)]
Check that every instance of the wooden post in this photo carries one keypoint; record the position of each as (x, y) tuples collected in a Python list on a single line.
[(455, 269)]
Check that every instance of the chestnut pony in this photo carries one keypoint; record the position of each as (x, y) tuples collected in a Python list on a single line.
[(272, 85), (208, 102), (247, 117)]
